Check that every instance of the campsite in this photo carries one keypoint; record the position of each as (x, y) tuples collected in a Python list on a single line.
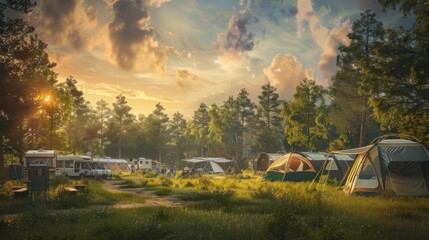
[(216, 205), (233, 207), (203, 119)]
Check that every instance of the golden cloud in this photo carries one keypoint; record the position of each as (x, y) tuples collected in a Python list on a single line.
[(285, 73), (184, 79)]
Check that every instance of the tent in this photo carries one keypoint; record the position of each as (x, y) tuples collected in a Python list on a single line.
[(293, 167), (317, 159), (208, 164), (263, 161), (397, 165), (337, 165)]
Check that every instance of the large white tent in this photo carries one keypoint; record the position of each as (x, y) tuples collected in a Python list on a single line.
[(397, 165), (208, 164)]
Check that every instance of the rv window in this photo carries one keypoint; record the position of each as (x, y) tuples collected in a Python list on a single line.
[(69, 164), (39, 160), (60, 164)]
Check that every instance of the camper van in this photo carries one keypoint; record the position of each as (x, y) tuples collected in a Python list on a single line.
[(40, 157), (74, 167), (99, 170), (144, 164)]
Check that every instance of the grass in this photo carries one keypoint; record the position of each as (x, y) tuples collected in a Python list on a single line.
[(233, 207)]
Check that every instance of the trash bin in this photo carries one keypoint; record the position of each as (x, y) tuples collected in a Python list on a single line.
[(38, 179), (16, 172)]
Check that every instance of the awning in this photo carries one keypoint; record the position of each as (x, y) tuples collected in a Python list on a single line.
[(354, 150), (207, 159)]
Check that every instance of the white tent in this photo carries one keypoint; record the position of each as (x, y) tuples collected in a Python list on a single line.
[(208, 164), (397, 165)]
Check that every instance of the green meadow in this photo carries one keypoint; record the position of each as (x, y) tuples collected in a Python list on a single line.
[(211, 207)]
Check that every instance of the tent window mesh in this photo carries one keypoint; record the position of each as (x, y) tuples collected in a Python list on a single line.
[(367, 177), (331, 165)]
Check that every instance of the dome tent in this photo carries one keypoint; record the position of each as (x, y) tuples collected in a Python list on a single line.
[(336, 166), (293, 167), (208, 164), (397, 165), (263, 161)]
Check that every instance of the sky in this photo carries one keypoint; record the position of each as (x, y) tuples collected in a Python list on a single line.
[(184, 52)]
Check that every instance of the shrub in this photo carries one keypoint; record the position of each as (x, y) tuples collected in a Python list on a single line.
[(150, 175), (166, 182), (161, 214), (189, 184), (144, 183), (8, 187), (285, 223), (264, 192), (66, 199), (330, 181), (163, 192), (59, 180)]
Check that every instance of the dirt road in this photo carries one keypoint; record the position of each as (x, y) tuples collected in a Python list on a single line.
[(152, 198)]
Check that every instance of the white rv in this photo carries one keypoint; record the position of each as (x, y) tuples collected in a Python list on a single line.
[(144, 164), (74, 166), (36, 157)]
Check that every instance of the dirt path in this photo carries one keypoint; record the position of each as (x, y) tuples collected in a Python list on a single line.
[(152, 198)]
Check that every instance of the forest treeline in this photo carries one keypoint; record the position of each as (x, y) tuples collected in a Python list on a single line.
[(382, 85)]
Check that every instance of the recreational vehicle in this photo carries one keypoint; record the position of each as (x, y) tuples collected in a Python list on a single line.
[(40, 157), (74, 167)]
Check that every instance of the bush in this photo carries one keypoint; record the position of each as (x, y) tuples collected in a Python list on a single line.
[(264, 192), (166, 182), (144, 183), (330, 181), (285, 223), (8, 187), (59, 180), (66, 199), (163, 192), (189, 184), (150, 175)]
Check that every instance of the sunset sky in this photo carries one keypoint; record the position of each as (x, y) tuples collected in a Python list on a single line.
[(184, 52)]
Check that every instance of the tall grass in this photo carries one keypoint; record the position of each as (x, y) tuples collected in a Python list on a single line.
[(230, 208)]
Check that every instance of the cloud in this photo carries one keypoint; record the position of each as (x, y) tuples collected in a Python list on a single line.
[(133, 44), (113, 90), (60, 22), (307, 14), (285, 73), (184, 79), (328, 59), (327, 40), (156, 3), (237, 41)]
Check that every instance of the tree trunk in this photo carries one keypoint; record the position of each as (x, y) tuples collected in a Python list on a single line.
[(159, 145), (1, 150), (120, 139), (363, 124)]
